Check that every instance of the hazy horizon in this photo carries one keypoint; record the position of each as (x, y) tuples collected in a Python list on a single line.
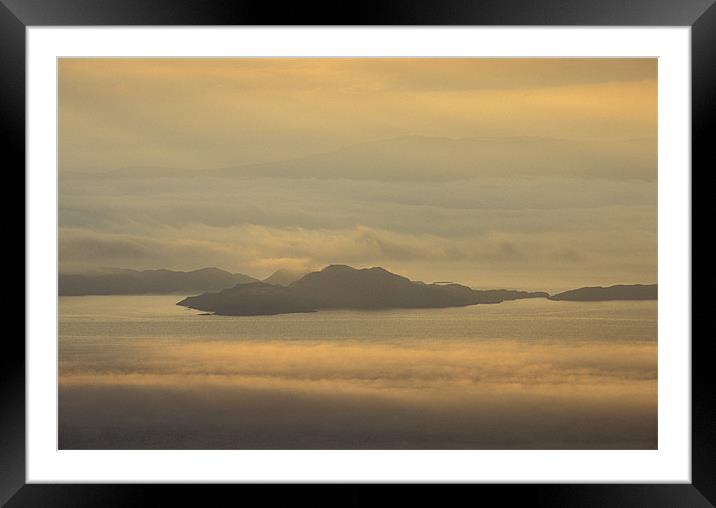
[(517, 173)]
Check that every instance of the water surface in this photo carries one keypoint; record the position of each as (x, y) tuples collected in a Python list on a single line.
[(139, 372)]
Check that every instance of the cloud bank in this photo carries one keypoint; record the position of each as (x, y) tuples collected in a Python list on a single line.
[(535, 174)]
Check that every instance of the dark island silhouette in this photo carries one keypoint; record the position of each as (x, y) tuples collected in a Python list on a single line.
[(335, 287), (134, 282), (618, 292), (344, 287)]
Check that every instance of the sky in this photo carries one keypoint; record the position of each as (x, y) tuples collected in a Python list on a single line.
[(520, 173)]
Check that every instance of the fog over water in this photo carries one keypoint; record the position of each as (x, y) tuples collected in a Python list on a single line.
[(140, 372)]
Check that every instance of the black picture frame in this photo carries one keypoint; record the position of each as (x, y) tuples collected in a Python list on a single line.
[(16, 15)]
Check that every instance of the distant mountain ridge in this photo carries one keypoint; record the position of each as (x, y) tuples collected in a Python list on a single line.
[(415, 157), (134, 282), (345, 287), (284, 277), (618, 292)]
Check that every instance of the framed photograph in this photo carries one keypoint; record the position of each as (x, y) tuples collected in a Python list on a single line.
[(423, 244)]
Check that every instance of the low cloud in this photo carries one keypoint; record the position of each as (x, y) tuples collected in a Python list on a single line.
[(489, 259), (401, 369), (528, 233), (361, 394), (76, 246)]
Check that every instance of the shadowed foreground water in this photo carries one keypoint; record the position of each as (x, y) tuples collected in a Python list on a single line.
[(138, 372)]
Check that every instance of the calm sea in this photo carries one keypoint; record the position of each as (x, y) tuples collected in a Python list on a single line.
[(139, 372)]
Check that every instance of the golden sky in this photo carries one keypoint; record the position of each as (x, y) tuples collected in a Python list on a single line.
[(515, 172)]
